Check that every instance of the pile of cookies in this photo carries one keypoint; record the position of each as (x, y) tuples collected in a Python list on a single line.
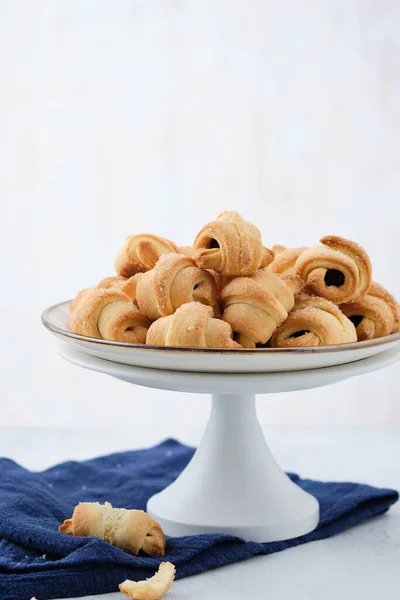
[(230, 291)]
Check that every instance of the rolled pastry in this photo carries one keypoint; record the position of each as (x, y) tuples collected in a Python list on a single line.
[(255, 306), (285, 260), (113, 281), (140, 253), (376, 314), (314, 321), (175, 280), (131, 530), (153, 588), (191, 326), (231, 246), (127, 285), (339, 271), (109, 314)]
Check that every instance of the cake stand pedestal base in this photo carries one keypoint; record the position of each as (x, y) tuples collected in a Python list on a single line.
[(233, 484)]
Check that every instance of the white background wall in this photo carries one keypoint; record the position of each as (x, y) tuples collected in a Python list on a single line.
[(155, 115)]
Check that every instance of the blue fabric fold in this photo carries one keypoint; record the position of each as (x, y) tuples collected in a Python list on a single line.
[(37, 560)]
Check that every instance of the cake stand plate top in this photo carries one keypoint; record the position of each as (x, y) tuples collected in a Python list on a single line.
[(208, 360)]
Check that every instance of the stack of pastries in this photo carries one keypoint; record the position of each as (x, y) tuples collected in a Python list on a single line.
[(230, 291)]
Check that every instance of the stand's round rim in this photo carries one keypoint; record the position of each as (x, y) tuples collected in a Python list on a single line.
[(45, 317)]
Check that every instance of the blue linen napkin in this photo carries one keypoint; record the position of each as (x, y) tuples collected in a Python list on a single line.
[(37, 560)]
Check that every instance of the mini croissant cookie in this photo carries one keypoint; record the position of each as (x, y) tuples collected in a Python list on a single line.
[(122, 283), (175, 280), (131, 530), (339, 271), (113, 281), (140, 253), (191, 326), (314, 321), (109, 314), (285, 259), (376, 314), (231, 246), (255, 306)]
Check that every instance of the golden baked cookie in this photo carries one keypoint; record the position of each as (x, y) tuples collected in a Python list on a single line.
[(314, 321), (376, 314), (255, 306), (191, 326), (231, 246), (109, 314), (127, 285), (175, 280), (131, 530), (141, 252), (339, 270)]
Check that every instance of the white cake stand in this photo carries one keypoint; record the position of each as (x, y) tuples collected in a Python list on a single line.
[(233, 484)]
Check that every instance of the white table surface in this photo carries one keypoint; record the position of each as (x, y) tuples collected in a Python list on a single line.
[(363, 562)]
